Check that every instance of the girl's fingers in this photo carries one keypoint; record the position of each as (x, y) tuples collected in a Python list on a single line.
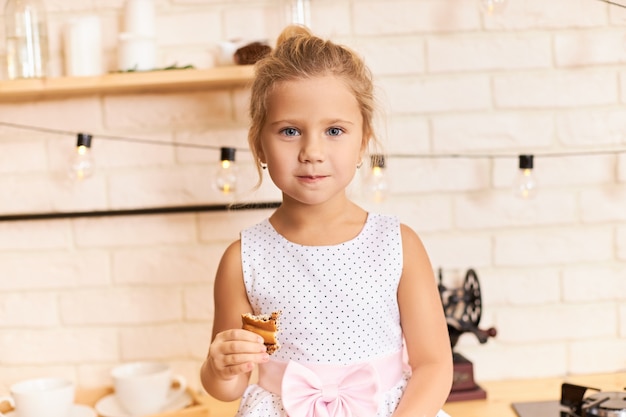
[(239, 335), (236, 351), (229, 366)]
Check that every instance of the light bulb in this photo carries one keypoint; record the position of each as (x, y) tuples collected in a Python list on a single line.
[(82, 163), (226, 175), (525, 185), (376, 184), (492, 7)]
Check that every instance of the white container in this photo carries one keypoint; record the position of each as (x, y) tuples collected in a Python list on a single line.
[(41, 397), (82, 38), (146, 387), (26, 39), (140, 18), (136, 53)]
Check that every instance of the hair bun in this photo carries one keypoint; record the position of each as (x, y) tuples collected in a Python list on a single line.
[(292, 31)]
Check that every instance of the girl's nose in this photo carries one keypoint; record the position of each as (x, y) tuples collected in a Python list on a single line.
[(312, 150)]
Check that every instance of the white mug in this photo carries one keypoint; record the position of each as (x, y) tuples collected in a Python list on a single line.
[(41, 397), (146, 387)]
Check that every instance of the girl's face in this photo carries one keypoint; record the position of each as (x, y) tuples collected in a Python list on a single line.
[(313, 139)]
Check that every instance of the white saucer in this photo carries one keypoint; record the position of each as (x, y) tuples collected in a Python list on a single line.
[(110, 407), (78, 410)]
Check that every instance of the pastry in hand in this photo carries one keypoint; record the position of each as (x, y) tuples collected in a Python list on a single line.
[(266, 326)]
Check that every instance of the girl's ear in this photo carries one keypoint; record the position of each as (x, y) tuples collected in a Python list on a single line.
[(261, 155), (258, 150), (363, 147)]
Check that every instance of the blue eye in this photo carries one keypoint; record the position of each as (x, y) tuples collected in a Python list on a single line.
[(290, 131), (335, 131)]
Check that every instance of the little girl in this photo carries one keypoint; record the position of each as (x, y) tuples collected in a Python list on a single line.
[(356, 289)]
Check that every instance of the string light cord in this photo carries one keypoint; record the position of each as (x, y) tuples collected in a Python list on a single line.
[(547, 154), (613, 3), (114, 138), (257, 205)]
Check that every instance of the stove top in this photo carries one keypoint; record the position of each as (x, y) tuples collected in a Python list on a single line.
[(574, 403)]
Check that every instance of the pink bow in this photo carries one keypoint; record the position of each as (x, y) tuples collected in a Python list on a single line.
[(353, 391)]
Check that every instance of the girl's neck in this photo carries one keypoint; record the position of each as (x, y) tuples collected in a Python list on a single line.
[(318, 225)]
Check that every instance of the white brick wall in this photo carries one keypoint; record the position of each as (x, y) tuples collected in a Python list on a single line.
[(79, 296)]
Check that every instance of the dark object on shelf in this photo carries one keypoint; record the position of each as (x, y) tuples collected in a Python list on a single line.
[(463, 309), (251, 53), (573, 403)]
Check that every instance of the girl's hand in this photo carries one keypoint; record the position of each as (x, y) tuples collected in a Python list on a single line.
[(235, 352)]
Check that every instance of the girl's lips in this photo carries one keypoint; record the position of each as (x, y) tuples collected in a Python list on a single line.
[(311, 178)]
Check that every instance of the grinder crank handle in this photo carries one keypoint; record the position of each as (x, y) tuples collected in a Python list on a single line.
[(482, 334)]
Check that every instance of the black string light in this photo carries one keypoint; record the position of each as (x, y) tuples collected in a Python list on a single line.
[(375, 159), (526, 185), (82, 164), (226, 177)]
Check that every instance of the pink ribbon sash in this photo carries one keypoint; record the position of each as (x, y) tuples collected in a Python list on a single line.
[(314, 390)]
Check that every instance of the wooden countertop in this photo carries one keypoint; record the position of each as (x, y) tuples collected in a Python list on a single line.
[(500, 395)]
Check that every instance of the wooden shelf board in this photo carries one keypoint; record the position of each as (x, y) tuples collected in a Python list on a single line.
[(126, 83)]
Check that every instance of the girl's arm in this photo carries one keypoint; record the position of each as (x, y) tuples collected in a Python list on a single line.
[(425, 331), (233, 351)]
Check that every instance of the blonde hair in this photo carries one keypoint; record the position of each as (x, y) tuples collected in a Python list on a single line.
[(298, 55)]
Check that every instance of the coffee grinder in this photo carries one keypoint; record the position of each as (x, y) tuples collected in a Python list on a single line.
[(463, 308)]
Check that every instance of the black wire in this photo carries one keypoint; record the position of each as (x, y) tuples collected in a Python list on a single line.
[(115, 138), (396, 155), (613, 3), (556, 154)]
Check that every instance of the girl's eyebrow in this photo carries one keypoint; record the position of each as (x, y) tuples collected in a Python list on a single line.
[(341, 121), (282, 121), (328, 122)]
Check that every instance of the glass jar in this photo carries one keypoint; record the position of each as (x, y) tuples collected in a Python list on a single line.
[(26, 39)]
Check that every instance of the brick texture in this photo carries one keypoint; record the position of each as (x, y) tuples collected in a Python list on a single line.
[(460, 95)]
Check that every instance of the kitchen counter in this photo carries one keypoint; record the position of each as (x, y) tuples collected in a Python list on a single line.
[(500, 395)]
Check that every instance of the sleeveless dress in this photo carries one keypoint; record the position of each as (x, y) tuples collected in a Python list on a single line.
[(330, 297)]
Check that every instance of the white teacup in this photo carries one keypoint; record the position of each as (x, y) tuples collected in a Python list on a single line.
[(146, 387), (41, 397)]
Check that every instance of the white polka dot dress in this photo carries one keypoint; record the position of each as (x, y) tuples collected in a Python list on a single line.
[(331, 297)]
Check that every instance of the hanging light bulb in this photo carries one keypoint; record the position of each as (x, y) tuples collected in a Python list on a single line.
[(82, 163), (226, 176), (525, 186), (376, 185), (492, 7)]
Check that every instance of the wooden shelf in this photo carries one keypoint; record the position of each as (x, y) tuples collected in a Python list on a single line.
[(126, 83)]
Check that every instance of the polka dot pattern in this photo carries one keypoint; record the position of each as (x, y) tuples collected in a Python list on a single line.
[(331, 297)]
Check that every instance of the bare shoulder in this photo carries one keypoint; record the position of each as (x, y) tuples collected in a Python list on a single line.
[(229, 269), (229, 295), (232, 255), (411, 242), (416, 262)]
